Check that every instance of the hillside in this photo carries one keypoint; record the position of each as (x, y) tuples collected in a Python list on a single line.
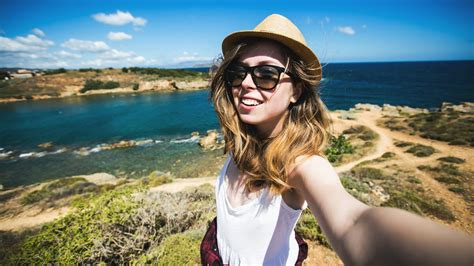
[(66, 83)]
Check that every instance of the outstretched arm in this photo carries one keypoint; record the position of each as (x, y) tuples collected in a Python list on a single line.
[(363, 235)]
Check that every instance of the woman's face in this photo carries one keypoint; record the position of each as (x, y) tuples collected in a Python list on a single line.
[(265, 109)]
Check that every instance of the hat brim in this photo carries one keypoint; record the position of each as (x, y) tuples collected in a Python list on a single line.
[(298, 48)]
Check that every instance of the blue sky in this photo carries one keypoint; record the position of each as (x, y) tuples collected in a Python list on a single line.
[(106, 33)]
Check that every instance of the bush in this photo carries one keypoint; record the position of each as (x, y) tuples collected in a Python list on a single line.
[(110, 85), (410, 201), (369, 172), (136, 86), (60, 189), (451, 159), (447, 180), (178, 249), (97, 85), (309, 229), (55, 71), (338, 147), (421, 150), (157, 178), (114, 228)]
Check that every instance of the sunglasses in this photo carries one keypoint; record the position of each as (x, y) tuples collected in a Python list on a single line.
[(265, 77)]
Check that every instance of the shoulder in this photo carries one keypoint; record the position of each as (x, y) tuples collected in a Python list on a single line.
[(312, 168)]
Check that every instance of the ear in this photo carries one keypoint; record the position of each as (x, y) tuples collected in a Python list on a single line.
[(297, 90)]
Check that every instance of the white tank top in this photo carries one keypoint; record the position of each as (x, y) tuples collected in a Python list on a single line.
[(260, 232)]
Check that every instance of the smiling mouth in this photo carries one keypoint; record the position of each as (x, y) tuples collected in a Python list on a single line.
[(250, 102)]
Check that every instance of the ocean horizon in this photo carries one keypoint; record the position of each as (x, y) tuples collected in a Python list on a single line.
[(163, 122)]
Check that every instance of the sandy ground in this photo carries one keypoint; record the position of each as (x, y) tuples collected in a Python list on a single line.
[(318, 254)]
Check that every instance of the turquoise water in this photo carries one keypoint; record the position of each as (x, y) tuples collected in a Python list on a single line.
[(80, 127), (164, 121)]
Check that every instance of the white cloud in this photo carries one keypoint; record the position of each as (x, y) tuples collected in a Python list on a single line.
[(86, 46), (346, 30), (119, 18), (119, 36), (38, 32), (28, 43), (33, 40), (187, 57), (115, 54), (65, 54)]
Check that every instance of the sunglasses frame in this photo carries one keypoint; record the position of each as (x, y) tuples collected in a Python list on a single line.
[(252, 74)]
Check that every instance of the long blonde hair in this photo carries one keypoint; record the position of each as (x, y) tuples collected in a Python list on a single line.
[(267, 161)]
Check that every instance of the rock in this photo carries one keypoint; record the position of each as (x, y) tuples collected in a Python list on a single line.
[(46, 145), (411, 111), (101, 178), (367, 107), (1, 187), (190, 85), (209, 141), (345, 115), (380, 193), (465, 107)]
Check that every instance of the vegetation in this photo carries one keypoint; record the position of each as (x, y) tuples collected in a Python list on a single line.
[(309, 229), (168, 73), (60, 189), (451, 159), (369, 172), (411, 201), (177, 249), (338, 146), (421, 150), (98, 85), (55, 71), (454, 127), (120, 226)]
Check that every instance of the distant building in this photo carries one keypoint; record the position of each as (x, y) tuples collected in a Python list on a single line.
[(21, 76)]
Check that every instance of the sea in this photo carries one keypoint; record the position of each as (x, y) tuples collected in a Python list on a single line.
[(82, 133)]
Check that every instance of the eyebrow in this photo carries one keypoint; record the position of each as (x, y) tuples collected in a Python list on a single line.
[(264, 62)]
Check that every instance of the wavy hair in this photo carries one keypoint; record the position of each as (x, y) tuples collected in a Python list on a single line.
[(267, 161)]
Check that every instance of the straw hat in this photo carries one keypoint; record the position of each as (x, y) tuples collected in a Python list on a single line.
[(281, 29)]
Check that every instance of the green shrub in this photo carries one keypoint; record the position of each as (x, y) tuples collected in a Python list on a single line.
[(421, 150), (110, 85), (136, 86), (178, 249), (413, 180), (97, 85), (114, 228), (55, 71), (459, 190), (309, 229), (451, 159), (157, 178), (411, 201), (353, 130), (338, 146), (447, 180), (388, 155), (402, 144), (61, 188), (369, 172)]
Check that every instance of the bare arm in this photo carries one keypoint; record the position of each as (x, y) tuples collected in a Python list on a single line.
[(364, 235)]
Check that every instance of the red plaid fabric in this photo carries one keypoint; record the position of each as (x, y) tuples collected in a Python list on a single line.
[(210, 251)]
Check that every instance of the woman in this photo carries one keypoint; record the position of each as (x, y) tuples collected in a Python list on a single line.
[(274, 125)]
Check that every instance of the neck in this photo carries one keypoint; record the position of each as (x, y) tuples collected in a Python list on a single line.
[(270, 129)]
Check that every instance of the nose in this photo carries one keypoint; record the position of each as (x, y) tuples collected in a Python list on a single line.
[(248, 83)]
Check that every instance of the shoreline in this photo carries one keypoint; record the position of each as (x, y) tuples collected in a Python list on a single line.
[(164, 85)]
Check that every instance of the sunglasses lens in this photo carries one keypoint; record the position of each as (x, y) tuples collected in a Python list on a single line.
[(266, 77), (235, 75)]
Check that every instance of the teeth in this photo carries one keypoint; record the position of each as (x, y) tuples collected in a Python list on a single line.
[(250, 102)]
